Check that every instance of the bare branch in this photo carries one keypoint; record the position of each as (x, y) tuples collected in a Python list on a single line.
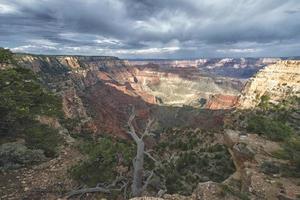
[(148, 180), (100, 188), (161, 193), (148, 127), (132, 130), (150, 156), (116, 181), (88, 190)]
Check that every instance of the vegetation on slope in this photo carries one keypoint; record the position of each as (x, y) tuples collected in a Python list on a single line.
[(104, 157), (278, 122), (190, 157), (271, 128), (23, 98), (184, 157), (6, 56)]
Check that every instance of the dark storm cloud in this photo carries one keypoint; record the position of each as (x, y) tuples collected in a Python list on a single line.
[(152, 28)]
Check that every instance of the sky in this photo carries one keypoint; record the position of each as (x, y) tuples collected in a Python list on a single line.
[(172, 29)]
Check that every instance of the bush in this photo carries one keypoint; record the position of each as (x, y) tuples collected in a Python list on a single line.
[(291, 152), (103, 157), (22, 99), (229, 190), (272, 129), (292, 148), (6, 55), (264, 101), (269, 167), (185, 171), (15, 155), (44, 138)]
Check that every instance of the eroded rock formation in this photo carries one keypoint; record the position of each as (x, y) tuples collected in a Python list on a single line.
[(277, 81), (221, 101)]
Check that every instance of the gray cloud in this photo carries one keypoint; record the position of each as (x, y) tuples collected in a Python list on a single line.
[(152, 28)]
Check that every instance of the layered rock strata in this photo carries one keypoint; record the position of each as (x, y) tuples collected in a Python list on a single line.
[(277, 81)]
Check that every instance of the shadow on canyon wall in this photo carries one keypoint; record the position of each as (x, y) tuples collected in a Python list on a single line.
[(104, 85), (110, 109)]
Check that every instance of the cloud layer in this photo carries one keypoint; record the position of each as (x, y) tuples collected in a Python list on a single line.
[(152, 28)]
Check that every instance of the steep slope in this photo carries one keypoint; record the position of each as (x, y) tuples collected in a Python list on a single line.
[(93, 89), (275, 82)]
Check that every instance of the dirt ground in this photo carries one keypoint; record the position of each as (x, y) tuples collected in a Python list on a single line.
[(48, 180)]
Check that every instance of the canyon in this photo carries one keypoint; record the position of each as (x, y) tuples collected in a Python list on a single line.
[(100, 90), (197, 108)]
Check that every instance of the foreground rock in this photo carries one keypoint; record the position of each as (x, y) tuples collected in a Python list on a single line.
[(257, 169), (257, 176), (206, 191)]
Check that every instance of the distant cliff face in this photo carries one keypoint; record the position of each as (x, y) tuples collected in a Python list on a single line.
[(183, 86), (226, 67), (276, 81)]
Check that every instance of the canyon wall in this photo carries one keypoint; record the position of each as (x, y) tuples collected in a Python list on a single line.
[(226, 67), (98, 91), (277, 81), (179, 86)]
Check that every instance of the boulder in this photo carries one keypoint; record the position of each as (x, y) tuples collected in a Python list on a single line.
[(243, 152), (231, 137)]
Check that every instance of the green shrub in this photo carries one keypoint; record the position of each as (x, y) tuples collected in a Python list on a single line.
[(6, 55), (269, 167), (264, 101), (22, 99), (15, 155), (229, 190), (291, 152), (272, 129), (102, 159), (292, 147), (44, 138), (281, 154), (188, 168)]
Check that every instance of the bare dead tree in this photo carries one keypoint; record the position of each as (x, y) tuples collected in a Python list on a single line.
[(121, 183), (138, 162)]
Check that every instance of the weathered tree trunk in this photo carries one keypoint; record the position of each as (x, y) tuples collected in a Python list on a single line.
[(138, 162), (138, 173)]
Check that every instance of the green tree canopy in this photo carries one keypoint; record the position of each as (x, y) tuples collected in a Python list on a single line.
[(22, 99), (6, 56)]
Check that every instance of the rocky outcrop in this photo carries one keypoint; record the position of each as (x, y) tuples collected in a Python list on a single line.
[(221, 101), (257, 169), (206, 191), (277, 81)]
